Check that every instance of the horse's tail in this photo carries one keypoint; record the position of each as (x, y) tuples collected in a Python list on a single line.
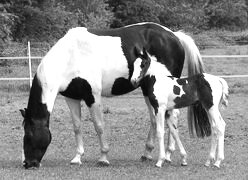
[(225, 93), (197, 116), (192, 54)]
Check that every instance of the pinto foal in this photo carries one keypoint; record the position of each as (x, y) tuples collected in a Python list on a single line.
[(169, 93)]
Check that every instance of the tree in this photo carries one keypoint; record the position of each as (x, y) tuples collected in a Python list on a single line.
[(226, 14), (129, 12)]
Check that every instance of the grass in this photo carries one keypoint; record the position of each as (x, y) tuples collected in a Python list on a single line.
[(127, 126)]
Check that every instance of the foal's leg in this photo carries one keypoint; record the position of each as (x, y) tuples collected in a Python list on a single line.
[(99, 124), (152, 133), (174, 132), (75, 109), (221, 134), (218, 128), (213, 148), (160, 134), (173, 116)]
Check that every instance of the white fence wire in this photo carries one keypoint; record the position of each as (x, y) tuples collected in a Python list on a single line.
[(30, 58)]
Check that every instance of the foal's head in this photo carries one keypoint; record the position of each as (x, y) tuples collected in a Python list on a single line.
[(141, 66)]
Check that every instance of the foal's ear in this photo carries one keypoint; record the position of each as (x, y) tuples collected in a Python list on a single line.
[(137, 52), (145, 54), (23, 112)]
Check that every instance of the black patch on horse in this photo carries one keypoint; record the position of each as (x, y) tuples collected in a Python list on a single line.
[(121, 86), (176, 90), (147, 84), (36, 126), (182, 81), (36, 109), (198, 94), (204, 92), (190, 95), (162, 44), (79, 89)]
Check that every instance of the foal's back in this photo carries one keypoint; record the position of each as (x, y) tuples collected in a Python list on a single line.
[(204, 88)]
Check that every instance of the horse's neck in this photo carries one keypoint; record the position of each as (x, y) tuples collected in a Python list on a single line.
[(36, 108)]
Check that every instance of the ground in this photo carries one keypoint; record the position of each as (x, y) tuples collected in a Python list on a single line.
[(127, 126)]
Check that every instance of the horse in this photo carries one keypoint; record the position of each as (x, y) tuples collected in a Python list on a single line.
[(167, 93), (86, 64)]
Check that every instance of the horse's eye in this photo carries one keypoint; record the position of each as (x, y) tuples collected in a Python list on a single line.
[(142, 65)]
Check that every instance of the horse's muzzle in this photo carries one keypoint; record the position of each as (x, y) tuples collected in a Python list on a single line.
[(31, 164)]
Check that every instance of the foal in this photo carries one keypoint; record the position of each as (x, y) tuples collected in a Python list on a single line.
[(168, 93)]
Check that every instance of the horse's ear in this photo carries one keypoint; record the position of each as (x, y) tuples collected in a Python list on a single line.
[(23, 112)]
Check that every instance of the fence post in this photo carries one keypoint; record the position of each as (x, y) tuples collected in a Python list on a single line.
[(30, 65)]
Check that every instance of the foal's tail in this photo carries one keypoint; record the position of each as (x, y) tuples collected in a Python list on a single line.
[(198, 121), (225, 94)]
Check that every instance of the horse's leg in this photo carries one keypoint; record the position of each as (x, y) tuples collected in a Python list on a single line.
[(152, 133), (173, 115), (174, 132), (160, 135), (75, 109), (99, 124)]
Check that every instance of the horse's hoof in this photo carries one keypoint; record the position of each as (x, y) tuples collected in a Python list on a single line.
[(207, 164), (167, 161), (160, 163), (76, 162), (102, 163), (144, 158), (184, 164)]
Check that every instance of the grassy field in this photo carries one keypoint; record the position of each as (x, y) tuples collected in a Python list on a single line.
[(127, 125)]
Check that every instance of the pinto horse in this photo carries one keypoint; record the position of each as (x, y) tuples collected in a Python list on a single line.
[(86, 64), (167, 93)]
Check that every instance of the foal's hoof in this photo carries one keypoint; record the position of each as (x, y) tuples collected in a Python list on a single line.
[(144, 158), (217, 165), (102, 163), (159, 164), (167, 161)]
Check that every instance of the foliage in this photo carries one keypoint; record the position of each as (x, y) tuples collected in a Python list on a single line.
[(48, 20), (227, 14), (129, 12)]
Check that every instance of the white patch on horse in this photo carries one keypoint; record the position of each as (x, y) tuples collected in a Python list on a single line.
[(98, 59)]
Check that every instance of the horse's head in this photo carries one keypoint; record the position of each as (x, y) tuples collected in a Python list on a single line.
[(36, 139), (141, 65)]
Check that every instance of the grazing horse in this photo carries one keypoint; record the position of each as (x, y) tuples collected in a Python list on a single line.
[(86, 64), (167, 93)]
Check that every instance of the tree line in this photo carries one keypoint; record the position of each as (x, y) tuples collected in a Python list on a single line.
[(48, 20)]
